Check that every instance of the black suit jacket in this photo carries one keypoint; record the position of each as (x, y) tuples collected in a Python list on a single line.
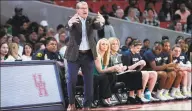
[(72, 51)]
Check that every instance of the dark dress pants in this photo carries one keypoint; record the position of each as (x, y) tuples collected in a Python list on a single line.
[(86, 63)]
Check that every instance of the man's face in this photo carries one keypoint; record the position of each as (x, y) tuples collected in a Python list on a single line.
[(178, 27), (158, 50), (52, 46), (62, 37), (119, 13), (182, 7), (83, 11)]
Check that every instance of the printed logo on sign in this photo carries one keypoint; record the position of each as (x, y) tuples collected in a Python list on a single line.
[(40, 85)]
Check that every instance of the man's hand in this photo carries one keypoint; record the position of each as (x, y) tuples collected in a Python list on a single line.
[(100, 19), (73, 19)]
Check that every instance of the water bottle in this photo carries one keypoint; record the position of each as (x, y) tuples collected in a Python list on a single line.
[(147, 94)]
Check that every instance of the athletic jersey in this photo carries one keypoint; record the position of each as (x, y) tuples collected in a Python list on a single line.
[(182, 58), (149, 56), (131, 59), (166, 57)]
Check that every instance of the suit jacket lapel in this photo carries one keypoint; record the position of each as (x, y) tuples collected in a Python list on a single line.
[(87, 26)]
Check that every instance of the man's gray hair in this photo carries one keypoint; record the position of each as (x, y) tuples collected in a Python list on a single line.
[(78, 5)]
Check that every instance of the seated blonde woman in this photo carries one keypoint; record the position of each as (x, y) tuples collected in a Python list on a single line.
[(100, 70), (14, 52)]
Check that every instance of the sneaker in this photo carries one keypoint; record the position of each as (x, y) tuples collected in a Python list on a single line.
[(168, 97), (141, 100), (186, 94), (154, 99), (161, 97), (175, 96), (180, 95)]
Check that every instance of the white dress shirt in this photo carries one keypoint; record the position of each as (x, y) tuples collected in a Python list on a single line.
[(84, 45)]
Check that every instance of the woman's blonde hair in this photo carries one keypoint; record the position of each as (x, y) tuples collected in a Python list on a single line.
[(107, 53), (12, 47), (112, 39)]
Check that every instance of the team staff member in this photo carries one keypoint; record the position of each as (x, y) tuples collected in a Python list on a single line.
[(81, 52)]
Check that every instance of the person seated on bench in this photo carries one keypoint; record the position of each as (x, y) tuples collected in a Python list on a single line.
[(166, 77), (135, 80), (100, 78)]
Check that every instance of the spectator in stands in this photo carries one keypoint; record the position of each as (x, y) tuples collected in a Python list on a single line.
[(150, 20), (125, 48), (128, 78), (189, 4), (17, 40), (131, 16), (24, 28), (188, 28), (101, 69), (27, 52), (9, 39), (178, 27), (146, 46), (114, 8), (3, 36), (107, 31), (151, 6), (176, 18), (13, 53), (165, 13), (17, 20), (32, 38), (50, 32), (60, 28), (119, 13), (50, 52), (38, 46), (45, 24), (41, 31), (154, 59), (103, 10), (4, 51), (133, 4), (61, 44), (184, 66), (183, 12)]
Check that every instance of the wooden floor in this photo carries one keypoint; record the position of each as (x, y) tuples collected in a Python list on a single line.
[(173, 105)]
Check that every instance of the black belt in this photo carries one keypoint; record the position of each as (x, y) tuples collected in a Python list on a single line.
[(84, 51)]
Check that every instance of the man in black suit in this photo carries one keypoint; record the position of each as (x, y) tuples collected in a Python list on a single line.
[(81, 52)]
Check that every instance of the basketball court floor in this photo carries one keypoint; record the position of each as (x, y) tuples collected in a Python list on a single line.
[(172, 105)]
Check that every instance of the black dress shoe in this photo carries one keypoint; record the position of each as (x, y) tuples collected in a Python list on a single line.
[(131, 100)]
